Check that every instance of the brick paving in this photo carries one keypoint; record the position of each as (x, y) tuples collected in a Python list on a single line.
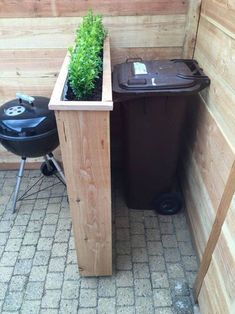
[(154, 263)]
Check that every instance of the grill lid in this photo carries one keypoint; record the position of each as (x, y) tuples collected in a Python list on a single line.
[(159, 75), (26, 116)]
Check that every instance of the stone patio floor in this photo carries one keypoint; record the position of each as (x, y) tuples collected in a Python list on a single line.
[(154, 263)]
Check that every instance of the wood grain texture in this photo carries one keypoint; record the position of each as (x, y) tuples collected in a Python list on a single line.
[(33, 8), (192, 21), (220, 275), (215, 231), (84, 140), (222, 12)]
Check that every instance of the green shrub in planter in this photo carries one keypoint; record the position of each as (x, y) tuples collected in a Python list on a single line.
[(86, 60)]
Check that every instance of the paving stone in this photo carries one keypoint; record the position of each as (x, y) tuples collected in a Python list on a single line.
[(5, 273), (179, 221), (88, 298), (183, 235), (141, 270), (161, 297), (54, 281), (59, 249), (166, 228), (48, 231), (152, 234), (87, 311), (122, 222), (17, 283), (190, 263), (49, 311), (17, 232), (64, 224), (138, 241), (13, 301), (136, 216), (175, 271), (31, 238), (154, 248), (123, 247), (22, 220), (3, 238), (151, 222), (38, 215), (179, 287), (143, 287), (106, 287), (139, 255), (106, 305), (3, 289), (45, 244), (186, 248), (13, 245), (34, 291), (124, 262), (41, 258), (157, 263), (51, 299), (23, 267), (191, 276), (126, 310), (51, 219), (159, 280), (38, 273), (123, 234), (183, 305), (169, 241), (71, 272), (70, 290), (69, 307), (27, 251), (172, 255), (144, 305), (71, 257), (150, 213), (89, 282), (164, 310), (30, 307), (62, 236), (34, 226), (125, 296), (71, 243), (124, 278), (137, 228), (8, 259)]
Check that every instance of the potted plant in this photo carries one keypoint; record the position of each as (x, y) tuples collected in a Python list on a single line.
[(82, 100)]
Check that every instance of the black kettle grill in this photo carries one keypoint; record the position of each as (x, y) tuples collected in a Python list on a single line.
[(28, 129)]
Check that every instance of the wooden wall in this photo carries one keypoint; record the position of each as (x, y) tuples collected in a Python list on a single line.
[(209, 181), (34, 36)]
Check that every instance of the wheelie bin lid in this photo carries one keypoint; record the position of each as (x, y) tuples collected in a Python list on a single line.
[(159, 76)]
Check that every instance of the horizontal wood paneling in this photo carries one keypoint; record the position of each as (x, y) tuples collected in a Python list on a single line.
[(29, 8), (218, 290), (220, 11)]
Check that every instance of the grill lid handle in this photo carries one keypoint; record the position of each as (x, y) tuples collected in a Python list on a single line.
[(26, 98)]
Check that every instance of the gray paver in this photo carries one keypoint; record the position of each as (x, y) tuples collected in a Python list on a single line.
[(143, 287), (38, 273), (106, 287), (144, 305), (54, 281), (13, 301), (68, 306), (51, 299), (34, 291), (30, 307), (106, 305), (124, 278), (70, 290), (88, 298), (125, 296)]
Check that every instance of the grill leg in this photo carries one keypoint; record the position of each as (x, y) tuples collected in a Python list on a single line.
[(18, 181), (51, 157)]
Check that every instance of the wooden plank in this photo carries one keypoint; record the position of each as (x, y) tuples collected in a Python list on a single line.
[(222, 12), (199, 207), (119, 55), (140, 31), (30, 8), (211, 151), (192, 21), (220, 275), (215, 232), (89, 186)]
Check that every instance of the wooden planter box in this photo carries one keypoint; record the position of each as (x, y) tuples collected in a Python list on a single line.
[(83, 128)]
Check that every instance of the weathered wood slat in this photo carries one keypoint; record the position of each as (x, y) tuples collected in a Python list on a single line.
[(221, 11), (30, 8), (192, 20), (142, 31)]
